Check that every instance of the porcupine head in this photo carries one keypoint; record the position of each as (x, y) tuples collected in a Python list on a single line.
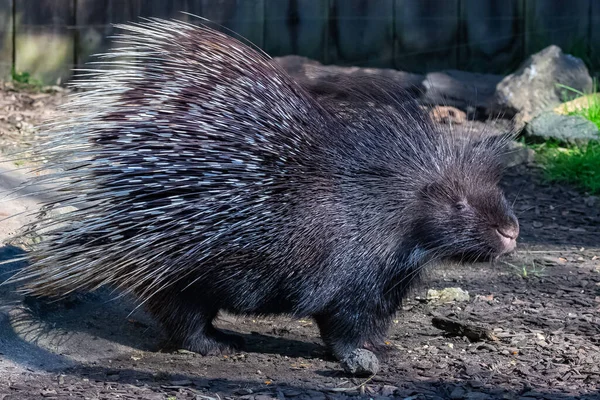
[(203, 179)]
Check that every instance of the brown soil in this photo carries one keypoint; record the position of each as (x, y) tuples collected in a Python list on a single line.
[(21, 109), (541, 304)]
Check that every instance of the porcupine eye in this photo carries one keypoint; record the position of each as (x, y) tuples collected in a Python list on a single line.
[(460, 206)]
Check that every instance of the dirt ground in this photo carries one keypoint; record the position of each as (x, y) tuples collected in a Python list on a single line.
[(541, 306)]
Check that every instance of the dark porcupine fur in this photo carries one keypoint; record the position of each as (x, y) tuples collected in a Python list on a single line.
[(202, 178)]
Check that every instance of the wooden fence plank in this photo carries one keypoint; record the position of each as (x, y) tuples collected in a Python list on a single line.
[(6, 39), (194, 7), (361, 33), (44, 40), (594, 61), (296, 27), (426, 34), (244, 17), (491, 35), (171, 9), (413, 35), (94, 24), (563, 23)]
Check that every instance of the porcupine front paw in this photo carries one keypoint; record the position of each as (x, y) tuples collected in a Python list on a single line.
[(213, 342)]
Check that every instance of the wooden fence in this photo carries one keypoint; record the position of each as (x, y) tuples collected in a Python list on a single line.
[(47, 38)]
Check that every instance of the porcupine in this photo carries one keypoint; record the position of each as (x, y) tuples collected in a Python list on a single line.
[(204, 179)]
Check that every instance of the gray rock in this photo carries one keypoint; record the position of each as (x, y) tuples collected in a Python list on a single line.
[(566, 128), (361, 362), (460, 89), (533, 87)]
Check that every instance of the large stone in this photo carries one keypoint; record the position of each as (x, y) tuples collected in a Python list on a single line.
[(452, 88), (340, 83), (564, 128), (460, 89), (534, 87)]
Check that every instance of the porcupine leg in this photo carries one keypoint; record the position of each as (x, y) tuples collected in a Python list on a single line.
[(208, 340), (347, 330), (190, 327)]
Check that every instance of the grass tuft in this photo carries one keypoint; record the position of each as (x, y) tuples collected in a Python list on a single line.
[(24, 80), (590, 109), (575, 164)]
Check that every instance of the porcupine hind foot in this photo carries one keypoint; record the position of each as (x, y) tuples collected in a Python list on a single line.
[(211, 341), (189, 326), (344, 333)]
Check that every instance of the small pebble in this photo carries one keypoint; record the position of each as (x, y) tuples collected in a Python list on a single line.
[(361, 362)]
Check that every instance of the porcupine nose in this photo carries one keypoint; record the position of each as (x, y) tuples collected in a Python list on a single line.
[(508, 236)]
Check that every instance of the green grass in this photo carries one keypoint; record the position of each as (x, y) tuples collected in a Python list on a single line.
[(574, 164), (577, 164), (526, 271), (591, 111), (24, 80)]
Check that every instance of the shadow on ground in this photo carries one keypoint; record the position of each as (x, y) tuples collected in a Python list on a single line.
[(552, 215)]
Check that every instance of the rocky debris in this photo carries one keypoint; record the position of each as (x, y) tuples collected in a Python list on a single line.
[(565, 128), (22, 110), (457, 96), (361, 362), (533, 88)]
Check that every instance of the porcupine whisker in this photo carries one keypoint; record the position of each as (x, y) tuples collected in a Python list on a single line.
[(517, 196)]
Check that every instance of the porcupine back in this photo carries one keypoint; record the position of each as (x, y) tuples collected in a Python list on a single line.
[(201, 161)]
